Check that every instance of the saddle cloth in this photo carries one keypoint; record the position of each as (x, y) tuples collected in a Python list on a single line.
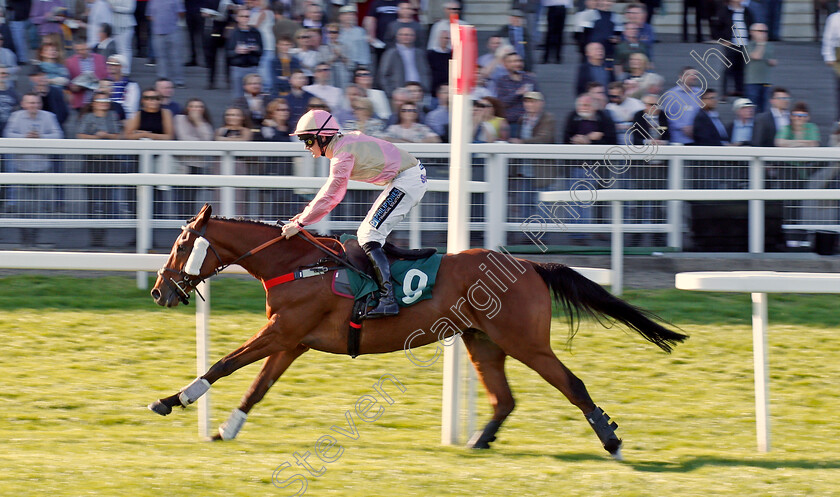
[(412, 279)]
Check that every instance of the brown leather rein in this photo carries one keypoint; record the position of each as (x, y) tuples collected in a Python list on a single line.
[(187, 280)]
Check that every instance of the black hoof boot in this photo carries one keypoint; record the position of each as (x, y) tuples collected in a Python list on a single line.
[(160, 408), (482, 439), (600, 423)]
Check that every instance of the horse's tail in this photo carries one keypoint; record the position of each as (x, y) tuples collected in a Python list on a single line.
[(576, 294)]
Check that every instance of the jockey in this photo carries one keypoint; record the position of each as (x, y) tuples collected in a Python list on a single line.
[(362, 158)]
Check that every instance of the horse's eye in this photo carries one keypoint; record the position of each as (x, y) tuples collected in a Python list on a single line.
[(182, 248)]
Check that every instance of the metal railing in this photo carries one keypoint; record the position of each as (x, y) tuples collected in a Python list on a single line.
[(149, 185)]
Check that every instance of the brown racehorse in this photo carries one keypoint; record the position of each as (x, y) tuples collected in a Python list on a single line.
[(500, 305)]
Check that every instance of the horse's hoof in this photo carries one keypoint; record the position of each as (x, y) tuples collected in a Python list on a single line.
[(479, 441), (615, 450), (160, 408), (216, 438)]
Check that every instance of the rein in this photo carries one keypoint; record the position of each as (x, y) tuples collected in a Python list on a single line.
[(188, 280), (333, 254)]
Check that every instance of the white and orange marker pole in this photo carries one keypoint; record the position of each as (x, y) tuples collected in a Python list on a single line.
[(461, 84)]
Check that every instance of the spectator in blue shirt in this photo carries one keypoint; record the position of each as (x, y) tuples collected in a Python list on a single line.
[(680, 106), (438, 118), (740, 131), (297, 98), (8, 97), (512, 86), (167, 38)]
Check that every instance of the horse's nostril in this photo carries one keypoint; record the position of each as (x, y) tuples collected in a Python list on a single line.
[(155, 294)]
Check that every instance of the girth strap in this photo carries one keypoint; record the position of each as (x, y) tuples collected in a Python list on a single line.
[(296, 275), (354, 332)]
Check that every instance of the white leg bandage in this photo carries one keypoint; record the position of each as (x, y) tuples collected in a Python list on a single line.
[(193, 391), (234, 423)]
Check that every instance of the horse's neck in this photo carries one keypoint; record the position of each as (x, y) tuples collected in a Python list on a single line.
[(237, 238)]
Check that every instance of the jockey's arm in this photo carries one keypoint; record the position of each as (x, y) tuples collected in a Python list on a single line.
[(331, 193)]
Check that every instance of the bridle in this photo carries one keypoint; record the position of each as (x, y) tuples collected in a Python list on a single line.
[(191, 281)]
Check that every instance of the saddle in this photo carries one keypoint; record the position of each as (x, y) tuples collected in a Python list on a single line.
[(356, 256)]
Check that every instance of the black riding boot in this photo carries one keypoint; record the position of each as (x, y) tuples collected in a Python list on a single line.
[(382, 271)]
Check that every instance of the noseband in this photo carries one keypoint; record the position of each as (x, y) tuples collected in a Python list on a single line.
[(187, 281)]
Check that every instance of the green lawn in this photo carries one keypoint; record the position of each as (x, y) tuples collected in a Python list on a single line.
[(81, 359)]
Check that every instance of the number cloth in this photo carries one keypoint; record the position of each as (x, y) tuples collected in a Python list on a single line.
[(412, 280)]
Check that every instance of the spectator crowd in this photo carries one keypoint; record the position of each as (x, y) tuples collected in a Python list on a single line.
[(383, 71)]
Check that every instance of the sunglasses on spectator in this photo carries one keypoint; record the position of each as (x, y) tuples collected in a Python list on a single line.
[(408, 110), (322, 69), (151, 97), (482, 105), (613, 97), (362, 74), (317, 106), (799, 114), (333, 31)]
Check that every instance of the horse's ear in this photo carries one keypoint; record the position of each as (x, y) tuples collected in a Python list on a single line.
[(204, 215)]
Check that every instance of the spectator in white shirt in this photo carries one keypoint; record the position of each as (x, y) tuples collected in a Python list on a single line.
[(322, 88), (622, 108), (451, 8), (99, 13), (381, 105)]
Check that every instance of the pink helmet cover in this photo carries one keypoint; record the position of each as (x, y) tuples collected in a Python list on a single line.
[(317, 122)]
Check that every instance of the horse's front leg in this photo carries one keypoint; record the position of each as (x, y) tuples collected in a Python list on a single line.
[(275, 365), (266, 342)]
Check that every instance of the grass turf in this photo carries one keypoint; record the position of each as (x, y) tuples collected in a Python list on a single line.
[(82, 358)]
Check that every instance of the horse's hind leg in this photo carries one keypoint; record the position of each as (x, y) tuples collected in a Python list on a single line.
[(275, 365), (555, 372), (489, 361)]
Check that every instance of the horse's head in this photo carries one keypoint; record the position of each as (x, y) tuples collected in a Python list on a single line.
[(188, 264)]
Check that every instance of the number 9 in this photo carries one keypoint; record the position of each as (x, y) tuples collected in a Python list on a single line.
[(412, 293)]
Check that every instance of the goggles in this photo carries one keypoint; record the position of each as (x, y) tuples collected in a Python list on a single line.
[(308, 140)]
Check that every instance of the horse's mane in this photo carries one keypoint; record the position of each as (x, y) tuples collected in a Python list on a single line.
[(254, 222), (242, 220)]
